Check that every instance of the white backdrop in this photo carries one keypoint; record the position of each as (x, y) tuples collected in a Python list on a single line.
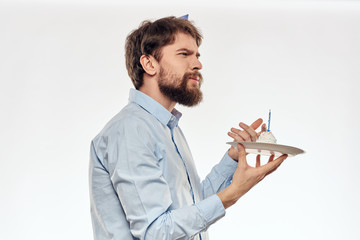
[(63, 77)]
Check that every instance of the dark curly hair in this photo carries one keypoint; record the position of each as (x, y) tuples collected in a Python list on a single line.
[(149, 39)]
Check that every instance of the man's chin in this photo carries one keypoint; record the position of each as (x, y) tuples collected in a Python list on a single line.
[(192, 99)]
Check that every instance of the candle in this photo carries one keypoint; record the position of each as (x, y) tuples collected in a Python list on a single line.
[(269, 120)]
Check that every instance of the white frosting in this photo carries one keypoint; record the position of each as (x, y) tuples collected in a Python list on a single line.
[(266, 137)]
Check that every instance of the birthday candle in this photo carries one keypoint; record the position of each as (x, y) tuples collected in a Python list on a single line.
[(269, 120)]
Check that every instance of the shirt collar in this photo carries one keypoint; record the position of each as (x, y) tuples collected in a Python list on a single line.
[(155, 108)]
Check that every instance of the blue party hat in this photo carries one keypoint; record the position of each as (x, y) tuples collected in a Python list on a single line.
[(185, 17)]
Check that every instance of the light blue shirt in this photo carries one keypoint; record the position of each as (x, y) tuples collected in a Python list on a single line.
[(143, 180)]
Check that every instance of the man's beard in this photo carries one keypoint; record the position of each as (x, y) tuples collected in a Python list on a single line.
[(177, 89)]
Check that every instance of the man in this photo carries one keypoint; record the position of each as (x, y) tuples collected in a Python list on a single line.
[(143, 181)]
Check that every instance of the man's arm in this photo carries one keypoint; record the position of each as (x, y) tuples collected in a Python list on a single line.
[(219, 177)]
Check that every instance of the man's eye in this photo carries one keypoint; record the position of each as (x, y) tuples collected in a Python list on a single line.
[(184, 53)]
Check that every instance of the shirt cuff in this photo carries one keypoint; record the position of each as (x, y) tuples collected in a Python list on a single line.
[(211, 208)]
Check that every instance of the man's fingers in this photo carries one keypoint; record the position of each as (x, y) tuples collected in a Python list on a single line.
[(239, 135), (248, 134), (282, 157), (274, 164), (236, 137), (271, 158), (256, 124), (263, 128), (258, 161), (249, 130), (274, 169)]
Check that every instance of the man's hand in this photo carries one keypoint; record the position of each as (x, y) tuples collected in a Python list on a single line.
[(246, 176), (248, 134)]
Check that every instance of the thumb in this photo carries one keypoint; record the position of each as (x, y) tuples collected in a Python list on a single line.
[(242, 155)]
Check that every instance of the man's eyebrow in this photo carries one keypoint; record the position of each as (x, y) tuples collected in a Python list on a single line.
[(188, 51)]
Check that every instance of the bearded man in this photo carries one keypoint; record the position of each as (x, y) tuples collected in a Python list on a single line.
[(143, 180)]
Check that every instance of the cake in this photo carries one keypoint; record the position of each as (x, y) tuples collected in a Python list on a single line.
[(266, 137)]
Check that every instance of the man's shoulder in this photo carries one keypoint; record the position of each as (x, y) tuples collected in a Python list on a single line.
[(132, 116)]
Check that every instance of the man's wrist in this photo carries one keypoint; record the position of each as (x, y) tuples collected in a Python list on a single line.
[(228, 196), (233, 154)]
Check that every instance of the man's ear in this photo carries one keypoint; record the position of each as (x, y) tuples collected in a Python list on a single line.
[(149, 64)]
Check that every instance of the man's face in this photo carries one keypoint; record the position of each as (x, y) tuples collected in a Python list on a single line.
[(179, 78)]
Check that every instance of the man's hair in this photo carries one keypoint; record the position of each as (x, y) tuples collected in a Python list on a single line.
[(149, 39)]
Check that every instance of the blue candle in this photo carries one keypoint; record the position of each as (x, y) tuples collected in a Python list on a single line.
[(269, 120)]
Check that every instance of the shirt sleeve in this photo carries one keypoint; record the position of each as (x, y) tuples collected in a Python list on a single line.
[(144, 193), (220, 176)]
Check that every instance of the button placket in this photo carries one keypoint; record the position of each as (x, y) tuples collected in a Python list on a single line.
[(184, 162)]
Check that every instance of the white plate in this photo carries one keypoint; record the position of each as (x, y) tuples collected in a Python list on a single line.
[(268, 148)]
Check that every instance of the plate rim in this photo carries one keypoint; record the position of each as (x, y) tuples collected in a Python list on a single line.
[(270, 147)]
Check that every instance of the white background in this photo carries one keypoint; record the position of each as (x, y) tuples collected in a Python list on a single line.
[(63, 77)]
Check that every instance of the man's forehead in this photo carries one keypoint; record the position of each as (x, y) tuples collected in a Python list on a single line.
[(183, 40)]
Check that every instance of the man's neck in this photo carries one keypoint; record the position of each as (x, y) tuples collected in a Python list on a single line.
[(155, 94)]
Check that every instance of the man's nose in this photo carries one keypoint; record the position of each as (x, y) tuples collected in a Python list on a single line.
[(196, 65)]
